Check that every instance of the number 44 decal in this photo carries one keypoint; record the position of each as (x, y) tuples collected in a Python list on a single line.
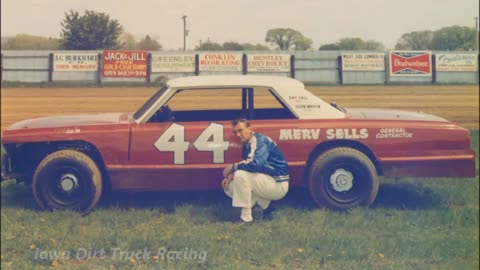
[(211, 139)]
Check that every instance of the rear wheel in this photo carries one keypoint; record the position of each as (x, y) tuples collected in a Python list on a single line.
[(67, 179), (342, 178)]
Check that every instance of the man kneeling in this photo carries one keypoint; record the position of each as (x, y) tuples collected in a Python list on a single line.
[(262, 175)]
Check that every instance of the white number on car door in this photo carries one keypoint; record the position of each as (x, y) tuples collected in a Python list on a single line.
[(211, 139), (173, 140)]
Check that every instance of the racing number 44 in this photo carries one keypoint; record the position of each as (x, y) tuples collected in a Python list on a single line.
[(211, 139)]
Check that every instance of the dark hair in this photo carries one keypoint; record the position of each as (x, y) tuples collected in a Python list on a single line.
[(236, 121)]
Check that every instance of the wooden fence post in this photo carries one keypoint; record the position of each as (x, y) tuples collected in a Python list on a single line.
[(197, 70), (340, 69), (50, 67), (292, 66), (434, 69), (387, 68), (244, 64), (99, 69), (149, 67)]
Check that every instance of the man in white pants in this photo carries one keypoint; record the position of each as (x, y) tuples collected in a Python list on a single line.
[(262, 175)]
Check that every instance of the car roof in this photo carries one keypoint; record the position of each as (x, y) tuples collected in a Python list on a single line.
[(280, 84)]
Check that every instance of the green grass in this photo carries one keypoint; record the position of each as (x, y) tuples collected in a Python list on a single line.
[(414, 224)]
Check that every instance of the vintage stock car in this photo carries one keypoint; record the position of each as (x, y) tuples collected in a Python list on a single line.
[(337, 153)]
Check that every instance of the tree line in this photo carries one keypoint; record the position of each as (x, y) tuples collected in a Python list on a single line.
[(97, 31)]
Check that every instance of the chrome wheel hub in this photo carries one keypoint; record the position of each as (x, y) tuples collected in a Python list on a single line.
[(68, 182), (341, 180)]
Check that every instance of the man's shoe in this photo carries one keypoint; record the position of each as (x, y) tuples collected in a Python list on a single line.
[(240, 221), (257, 212), (267, 213)]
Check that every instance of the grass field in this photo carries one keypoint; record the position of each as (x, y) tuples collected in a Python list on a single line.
[(415, 223)]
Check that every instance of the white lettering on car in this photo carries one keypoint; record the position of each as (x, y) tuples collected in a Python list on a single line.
[(347, 133), (299, 134), (393, 133), (72, 130)]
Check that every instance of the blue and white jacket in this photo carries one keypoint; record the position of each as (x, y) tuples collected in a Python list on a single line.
[(262, 155)]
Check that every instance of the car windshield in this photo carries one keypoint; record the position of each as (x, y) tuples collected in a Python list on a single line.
[(150, 102)]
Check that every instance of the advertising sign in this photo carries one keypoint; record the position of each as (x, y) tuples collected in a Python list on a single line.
[(220, 62), (410, 63), (173, 63), (75, 62), (456, 62), (125, 64), (268, 63), (363, 61)]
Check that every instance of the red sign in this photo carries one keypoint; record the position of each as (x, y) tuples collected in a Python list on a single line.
[(410, 63), (125, 64)]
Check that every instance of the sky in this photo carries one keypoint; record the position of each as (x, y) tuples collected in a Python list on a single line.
[(246, 20)]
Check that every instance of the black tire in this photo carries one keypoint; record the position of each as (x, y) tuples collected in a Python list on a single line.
[(343, 178), (67, 179)]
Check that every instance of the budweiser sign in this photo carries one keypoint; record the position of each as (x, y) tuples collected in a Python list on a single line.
[(410, 63)]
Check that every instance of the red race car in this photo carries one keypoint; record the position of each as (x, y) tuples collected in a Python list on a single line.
[(337, 153)]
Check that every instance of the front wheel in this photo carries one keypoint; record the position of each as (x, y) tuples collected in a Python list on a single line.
[(67, 179), (342, 178)]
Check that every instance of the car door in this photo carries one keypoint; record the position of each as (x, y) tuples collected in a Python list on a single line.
[(182, 154)]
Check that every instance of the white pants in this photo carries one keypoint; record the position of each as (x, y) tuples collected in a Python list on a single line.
[(248, 189)]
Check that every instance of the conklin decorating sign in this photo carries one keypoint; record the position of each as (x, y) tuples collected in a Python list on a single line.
[(124, 64), (75, 62), (268, 63), (410, 63), (363, 61), (456, 62), (173, 63), (220, 62)]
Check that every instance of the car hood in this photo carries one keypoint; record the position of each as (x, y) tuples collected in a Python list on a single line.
[(72, 121), (387, 114)]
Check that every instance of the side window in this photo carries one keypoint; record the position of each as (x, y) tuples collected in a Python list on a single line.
[(189, 105), (267, 106)]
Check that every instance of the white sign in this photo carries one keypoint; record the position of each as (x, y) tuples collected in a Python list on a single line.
[(220, 62), (75, 62), (456, 62), (268, 63), (363, 61), (173, 63)]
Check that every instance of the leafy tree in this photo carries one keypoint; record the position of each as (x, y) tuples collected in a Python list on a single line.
[(29, 42), (286, 38), (454, 38), (209, 46), (91, 31), (354, 44), (255, 47), (303, 43), (373, 45), (417, 40), (329, 47), (127, 41), (232, 46), (148, 44)]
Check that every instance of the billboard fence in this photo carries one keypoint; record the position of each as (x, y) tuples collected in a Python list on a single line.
[(312, 67)]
